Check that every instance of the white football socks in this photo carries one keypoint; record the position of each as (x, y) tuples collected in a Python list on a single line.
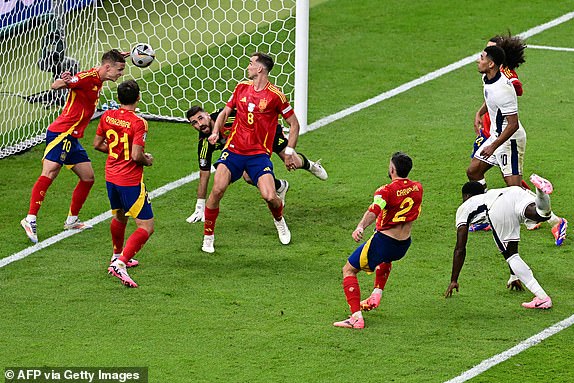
[(542, 201), (522, 271)]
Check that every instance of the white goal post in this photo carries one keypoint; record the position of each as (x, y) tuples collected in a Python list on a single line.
[(202, 50)]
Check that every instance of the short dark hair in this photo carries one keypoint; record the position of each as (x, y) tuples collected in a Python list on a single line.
[(265, 60), (193, 111), (128, 92), (113, 56), (473, 188), (496, 54), (403, 164)]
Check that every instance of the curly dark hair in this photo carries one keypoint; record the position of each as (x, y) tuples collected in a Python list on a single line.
[(513, 47)]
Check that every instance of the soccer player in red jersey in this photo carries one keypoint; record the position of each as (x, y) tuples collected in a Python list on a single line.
[(62, 144), (258, 104), (395, 207), (122, 135), (203, 122)]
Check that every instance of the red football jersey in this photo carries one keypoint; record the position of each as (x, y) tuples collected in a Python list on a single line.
[(80, 105), (122, 129), (397, 202), (253, 130), (513, 77)]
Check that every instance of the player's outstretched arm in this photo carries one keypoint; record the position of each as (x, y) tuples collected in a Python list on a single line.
[(368, 218), (63, 81), (457, 259), (290, 155), (478, 118), (198, 214)]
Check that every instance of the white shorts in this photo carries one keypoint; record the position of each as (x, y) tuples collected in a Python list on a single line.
[(509, 156), (507, 213)]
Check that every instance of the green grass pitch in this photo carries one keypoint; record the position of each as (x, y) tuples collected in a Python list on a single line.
[(257, 311)]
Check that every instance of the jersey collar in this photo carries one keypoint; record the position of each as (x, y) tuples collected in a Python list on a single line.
[(494, 79)]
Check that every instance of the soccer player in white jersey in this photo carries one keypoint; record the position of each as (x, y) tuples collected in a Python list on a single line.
[(505, 147), (507, 142), (505, 209)]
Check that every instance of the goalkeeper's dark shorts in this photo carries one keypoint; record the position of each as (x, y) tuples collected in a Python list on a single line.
[(205, 149)]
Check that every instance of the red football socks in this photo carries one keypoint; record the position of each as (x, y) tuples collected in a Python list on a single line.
[(382, 274), (79, 196), (277, 212), (134, 244), (38, 194), (118, 230), (352, 293), (210, 218)]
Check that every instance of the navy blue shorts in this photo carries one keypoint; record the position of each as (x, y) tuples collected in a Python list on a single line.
[(478, 141), (64, 149), (255, 165), (379, 248), (133, 200)]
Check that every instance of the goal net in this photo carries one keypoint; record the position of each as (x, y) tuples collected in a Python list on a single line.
[(202, 50)]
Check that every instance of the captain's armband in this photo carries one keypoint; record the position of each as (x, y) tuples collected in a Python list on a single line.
[(378, 204)]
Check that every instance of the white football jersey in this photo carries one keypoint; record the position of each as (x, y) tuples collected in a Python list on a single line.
[(501, 101), (503, 208)]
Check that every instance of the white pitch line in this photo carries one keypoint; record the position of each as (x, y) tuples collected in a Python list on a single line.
[(524, 345), (551, 48), (94, 221), (316, 125), (429, 76)]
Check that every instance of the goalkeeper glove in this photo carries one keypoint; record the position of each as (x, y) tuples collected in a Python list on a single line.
[(198, 214)]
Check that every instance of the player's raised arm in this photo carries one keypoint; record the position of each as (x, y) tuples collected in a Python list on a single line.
[(221, 119), (63, 81)]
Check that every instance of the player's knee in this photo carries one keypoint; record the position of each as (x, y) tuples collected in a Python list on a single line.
[(216, 194), (269, 196), (349, 270), (471, 173), (147, 225)]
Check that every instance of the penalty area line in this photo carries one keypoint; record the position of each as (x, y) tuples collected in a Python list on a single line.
[(522, 346), (561, 49)]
